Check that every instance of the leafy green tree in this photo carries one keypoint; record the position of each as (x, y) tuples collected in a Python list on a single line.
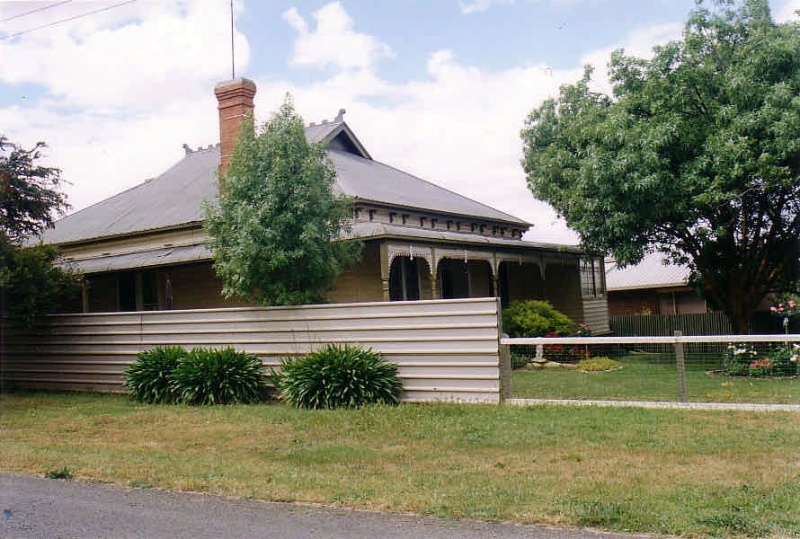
[(30, 194), (695, 154), (31, 285), (274, 231), (30, 200)]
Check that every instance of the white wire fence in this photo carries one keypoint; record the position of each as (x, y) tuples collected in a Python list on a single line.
[(753, 369)]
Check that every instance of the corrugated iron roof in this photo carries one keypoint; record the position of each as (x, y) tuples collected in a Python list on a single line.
[(649, 273), (379, 230), (372, 181), (154, 258), (175, 198), (172, 199)]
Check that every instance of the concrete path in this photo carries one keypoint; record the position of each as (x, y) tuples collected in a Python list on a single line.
[(747, 407), (33, 507)]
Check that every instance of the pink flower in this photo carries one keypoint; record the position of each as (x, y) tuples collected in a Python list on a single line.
[(792, 303), (763, 363), (774, 309)]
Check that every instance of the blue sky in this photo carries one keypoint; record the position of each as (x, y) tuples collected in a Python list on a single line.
[(439, 88)]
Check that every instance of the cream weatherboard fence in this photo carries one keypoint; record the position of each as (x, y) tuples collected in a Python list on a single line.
[(444, 349)]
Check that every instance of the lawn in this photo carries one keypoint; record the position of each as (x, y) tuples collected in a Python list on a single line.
[(680, 472), (654, 377)]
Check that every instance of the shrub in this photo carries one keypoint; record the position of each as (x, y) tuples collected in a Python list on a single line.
[(225, 376), (742, 360), (149, 378), (564, 353), (784, 360), (338, 377), (600, 363), (519, 360), (738, 358), (534, 318), (761, 367)]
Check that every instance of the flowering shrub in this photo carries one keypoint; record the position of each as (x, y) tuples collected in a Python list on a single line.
[(785, 359), (564, 353), (761, 367), (790, 309), (584, 330), (743, 360), (738, 358)]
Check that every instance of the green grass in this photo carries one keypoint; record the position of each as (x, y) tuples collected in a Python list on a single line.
[(679, 472), (653, 377)]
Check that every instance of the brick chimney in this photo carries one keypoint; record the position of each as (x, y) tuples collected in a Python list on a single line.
[(235, 101)]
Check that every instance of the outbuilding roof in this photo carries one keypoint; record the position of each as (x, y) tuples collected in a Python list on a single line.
[(651, 272), (175, 198)]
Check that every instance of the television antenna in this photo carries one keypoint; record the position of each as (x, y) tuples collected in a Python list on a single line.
[(233, 50)]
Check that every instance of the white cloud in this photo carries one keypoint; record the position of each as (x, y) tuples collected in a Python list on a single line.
[(121, 88), (123, 120), (458, 127), (787, 11), (638, 43), (475, 6), (334, 42), (135, 57)]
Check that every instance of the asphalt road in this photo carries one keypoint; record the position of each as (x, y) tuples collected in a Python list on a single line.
[(33, 507)]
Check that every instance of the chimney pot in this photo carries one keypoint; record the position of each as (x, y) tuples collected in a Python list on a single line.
[(235, 101)]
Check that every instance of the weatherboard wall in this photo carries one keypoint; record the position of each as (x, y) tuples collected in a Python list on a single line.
[(444, 349)]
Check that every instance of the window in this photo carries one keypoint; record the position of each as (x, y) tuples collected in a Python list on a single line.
[(592, 278)]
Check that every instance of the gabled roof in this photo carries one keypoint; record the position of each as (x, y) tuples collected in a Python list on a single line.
[(336, 135), (175, 198), (651, 272)]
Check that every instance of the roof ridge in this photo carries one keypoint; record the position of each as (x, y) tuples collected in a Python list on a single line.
[(339, 118)]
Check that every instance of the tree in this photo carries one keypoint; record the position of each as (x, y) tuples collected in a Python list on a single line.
[(30, 199), (31, 285), (695, 154), (275, 231), (30, 195)]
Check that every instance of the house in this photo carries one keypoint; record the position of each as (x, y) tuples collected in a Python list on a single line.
[(651, 287), (144, 248)]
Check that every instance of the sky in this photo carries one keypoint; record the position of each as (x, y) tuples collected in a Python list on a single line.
[(438, 88)]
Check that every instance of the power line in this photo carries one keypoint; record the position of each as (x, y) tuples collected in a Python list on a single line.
[(67, 19), (37, 10)]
